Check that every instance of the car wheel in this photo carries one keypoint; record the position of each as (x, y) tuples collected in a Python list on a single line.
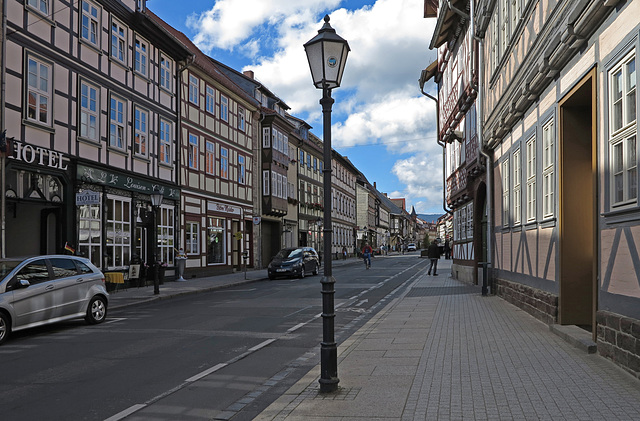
[(316, 270), (97, 311), (5, 327)]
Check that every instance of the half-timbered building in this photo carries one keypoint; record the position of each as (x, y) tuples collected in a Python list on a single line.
[(218, 134), (558, 116), (91, 108), (464, 172)]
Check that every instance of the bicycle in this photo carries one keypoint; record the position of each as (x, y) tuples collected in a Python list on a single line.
[(367, 260)]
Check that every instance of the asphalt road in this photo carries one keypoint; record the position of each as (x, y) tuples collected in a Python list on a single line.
[(226, 354)]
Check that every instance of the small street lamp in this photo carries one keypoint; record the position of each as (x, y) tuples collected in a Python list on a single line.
[(327, 55), (156, 201)]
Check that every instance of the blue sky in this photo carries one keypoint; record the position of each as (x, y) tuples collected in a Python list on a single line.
[(380, 120)]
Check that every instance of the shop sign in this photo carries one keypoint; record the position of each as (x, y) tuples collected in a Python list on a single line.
[(40, 156), (124, 181), (224, 208), (256, 220), (87, 197)]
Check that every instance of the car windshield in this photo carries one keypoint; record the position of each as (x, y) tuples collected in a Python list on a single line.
[(6, 266), (289, 253)]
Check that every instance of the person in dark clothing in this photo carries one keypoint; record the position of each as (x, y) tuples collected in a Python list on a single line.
[(433, 252), (447, 250)]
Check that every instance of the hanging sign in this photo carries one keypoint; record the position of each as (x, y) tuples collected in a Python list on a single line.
[(87, 197), (256, 220)]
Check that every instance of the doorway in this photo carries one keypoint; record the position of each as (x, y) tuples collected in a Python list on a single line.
[(50, 231), (577, 205)]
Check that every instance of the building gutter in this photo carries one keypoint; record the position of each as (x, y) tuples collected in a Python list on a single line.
[(422, 81), (3, 82)]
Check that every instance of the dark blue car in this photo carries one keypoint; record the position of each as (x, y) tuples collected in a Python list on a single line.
[(294, 262)]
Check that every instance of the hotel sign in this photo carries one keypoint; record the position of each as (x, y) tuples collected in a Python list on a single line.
[(39, 156), (87, 197), (128, 182)]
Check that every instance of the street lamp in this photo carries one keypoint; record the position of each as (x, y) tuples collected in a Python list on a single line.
[(327, 55), (156, 201)]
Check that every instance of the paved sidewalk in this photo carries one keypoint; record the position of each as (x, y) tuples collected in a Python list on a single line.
[(441, 351)]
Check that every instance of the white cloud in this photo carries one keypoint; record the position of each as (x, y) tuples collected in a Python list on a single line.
[(422, 176), (379, 100), (230, 23)]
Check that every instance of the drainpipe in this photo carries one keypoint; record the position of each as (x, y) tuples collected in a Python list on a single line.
[(444, 147), (3, 72), (486, 282)]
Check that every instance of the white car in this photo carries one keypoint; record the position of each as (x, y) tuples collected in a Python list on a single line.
[(46, 289), (411, 247)]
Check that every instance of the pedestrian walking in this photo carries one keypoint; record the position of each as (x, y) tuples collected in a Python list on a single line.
[(433, 252), (447, 250)]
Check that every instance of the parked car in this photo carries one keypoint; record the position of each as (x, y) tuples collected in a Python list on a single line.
[(45, 289), (411, 247), (293, 261)]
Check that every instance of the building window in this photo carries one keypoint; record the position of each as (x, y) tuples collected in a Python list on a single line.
[(548, 160), (224, 163), (90, 24), (301, 158), (531, 179), (40, 5), (469, 227), (89, 113), (266, 137), (142, 52), (141, 132), (265, 183), (517, 189), (624, 167), (241, 170), (39, 91), (622, 95), (165, 142), (118, 230), (210, 158), (215, 241), (118, 42), (505, 193), (210, 100), (224, 108), (165, 235), (117, 112), (193, 151), (193, 89), (90, 233), (165, 73), (241, 122), (192, 238), (623, 128)]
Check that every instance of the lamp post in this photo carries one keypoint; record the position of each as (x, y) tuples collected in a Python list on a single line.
[(327, 55), (156, 201)]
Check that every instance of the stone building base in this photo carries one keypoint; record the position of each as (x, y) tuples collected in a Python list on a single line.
[(540, 304), (619, 340), (463, 273)]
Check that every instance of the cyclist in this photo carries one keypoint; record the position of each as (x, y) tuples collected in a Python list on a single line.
[(367, 251)]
